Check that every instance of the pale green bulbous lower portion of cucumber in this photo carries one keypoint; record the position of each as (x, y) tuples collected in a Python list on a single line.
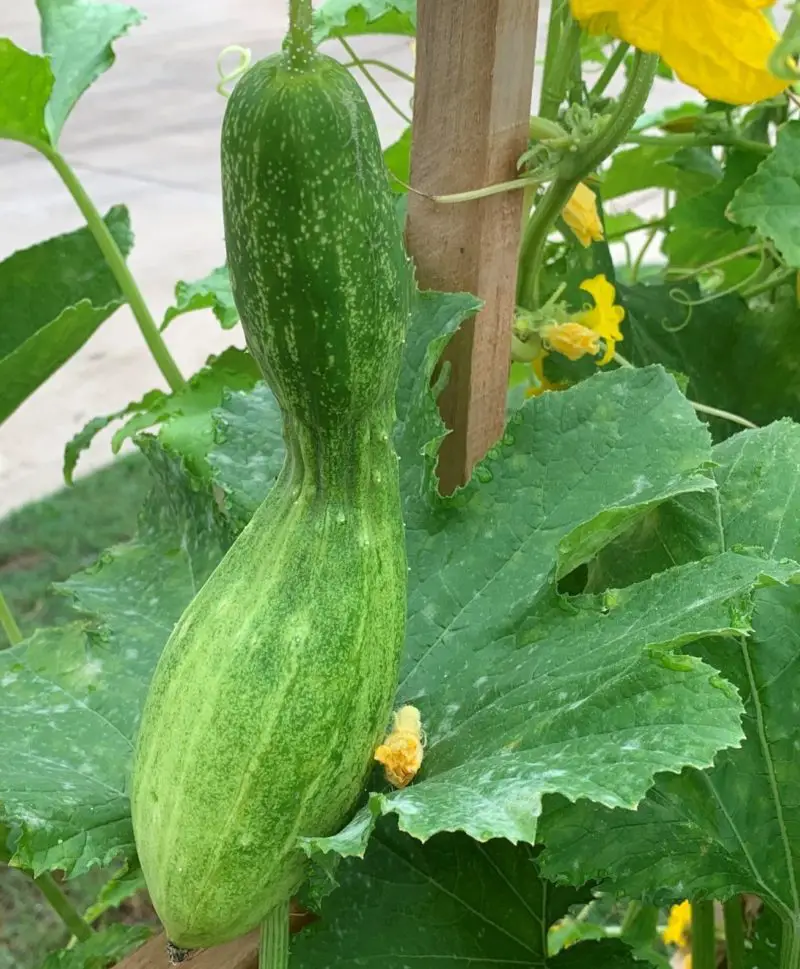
[(268, 702), (276, 685)]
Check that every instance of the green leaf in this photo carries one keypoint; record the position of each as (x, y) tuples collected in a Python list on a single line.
[(77, 35), (346, 18), (732, 828), (72, 696), (103, 949), (621, 224), (27, 85), (43, 325), (123, 885), (770, 199), (651, 166), (676, 117), (420, 430), (701, 232), (523, 693), (248, 450), (211, 292), (449, 903), (739, 359), (184, 418), (398, 161), (81, 441)]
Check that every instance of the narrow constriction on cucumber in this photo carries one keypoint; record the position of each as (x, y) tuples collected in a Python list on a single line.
[(277, 683)]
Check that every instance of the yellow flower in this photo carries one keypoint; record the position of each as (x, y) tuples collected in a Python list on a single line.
[(720, 47), (571, 340), (580, 214), (679, 925), (604, 317), (401, 752)]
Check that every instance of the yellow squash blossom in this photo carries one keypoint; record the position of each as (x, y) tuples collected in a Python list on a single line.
[(679, 926), (580, 214), (720, 47), (571, 340), (604, 318)]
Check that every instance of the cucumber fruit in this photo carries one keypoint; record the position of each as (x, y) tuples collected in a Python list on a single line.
[(276, 684)]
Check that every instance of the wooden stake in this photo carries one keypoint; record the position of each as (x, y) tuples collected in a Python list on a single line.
[(474, 80), (239, 954)]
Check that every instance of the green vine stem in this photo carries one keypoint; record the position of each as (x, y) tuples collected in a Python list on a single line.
[(775, 280), (609, 70), (704, 939), (62, 906), (643, 227), (790, 944), (734, 932), (563, 46), (116, 263), (573, 170), (9, 623), (629, 107), (384, 66), (360, 64), (300, 41), (273, 951), (720, 140), (534, 238)]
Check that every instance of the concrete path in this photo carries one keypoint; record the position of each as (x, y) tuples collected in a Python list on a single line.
[(146, 134)]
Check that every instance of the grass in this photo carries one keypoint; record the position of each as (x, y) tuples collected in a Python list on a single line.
[(43, 543), (49, 540)]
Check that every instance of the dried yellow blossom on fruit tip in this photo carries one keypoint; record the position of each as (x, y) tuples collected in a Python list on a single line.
[(720, 47), (580, 214), (401, 752), (604, 318), (679, 925)]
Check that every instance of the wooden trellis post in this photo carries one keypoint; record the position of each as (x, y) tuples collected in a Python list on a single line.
[(471, 108), (472, 98)]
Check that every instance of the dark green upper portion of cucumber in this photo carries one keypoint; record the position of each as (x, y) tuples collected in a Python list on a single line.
[(317, 263)]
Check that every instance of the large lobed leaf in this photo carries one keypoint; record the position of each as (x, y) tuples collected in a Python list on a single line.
[(770, 199), (448, 903), (735, 827), (42, 326), (742, 359)]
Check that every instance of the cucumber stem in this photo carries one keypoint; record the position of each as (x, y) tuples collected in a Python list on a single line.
[(273, 951), (734, 933), (704, 940), (9, 623), (299, 44), (360, 64), (790, 944)]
